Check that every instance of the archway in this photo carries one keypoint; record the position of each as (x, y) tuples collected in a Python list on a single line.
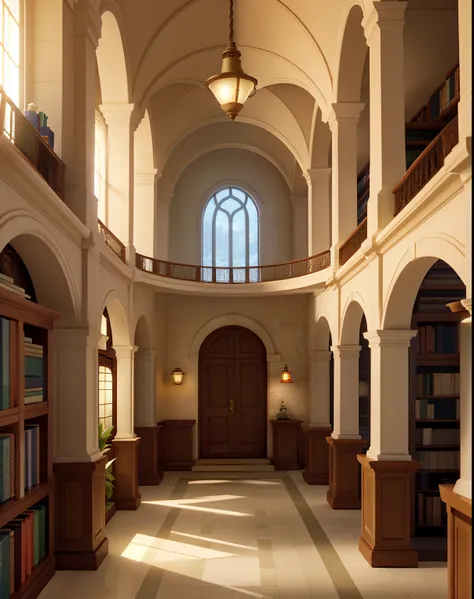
[(232, 394)]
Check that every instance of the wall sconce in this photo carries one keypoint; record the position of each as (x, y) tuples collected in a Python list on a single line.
[(286, 375), (177, 375)]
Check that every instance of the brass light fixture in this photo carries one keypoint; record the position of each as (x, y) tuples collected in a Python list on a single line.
[(286, 375), (232, 87), (178, 376)]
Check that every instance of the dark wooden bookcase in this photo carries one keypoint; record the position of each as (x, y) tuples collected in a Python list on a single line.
[(30, 319), (434, 353)]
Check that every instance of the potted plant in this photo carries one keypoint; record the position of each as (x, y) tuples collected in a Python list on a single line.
[(104, 446)]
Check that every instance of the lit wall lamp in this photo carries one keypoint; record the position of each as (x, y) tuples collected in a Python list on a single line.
[(286, 375), (178, 376)]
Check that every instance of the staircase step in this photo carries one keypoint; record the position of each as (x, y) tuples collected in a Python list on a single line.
[(233, 468), (233, 461)]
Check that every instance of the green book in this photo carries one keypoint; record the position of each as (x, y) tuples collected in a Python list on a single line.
[(36, 536), (4, 565), (41, 512)]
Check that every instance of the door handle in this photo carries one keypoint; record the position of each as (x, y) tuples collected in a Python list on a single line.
[(231, 406)]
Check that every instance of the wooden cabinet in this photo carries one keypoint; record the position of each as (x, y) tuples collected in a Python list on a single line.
[(285, 444)]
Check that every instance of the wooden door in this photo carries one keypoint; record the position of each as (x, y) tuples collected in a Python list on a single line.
[(232, 395)]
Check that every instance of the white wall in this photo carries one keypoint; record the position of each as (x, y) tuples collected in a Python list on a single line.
[(283, 318), (238, 167)]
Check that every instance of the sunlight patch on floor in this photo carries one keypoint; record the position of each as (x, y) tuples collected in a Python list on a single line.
[(213, 540)]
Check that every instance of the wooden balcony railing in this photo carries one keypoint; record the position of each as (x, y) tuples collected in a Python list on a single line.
[(350, 247), (29, 142), (428, 163), (112, 241), (244, 274)]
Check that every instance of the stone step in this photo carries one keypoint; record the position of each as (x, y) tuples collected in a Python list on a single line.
[(233, 468), (233, 461)]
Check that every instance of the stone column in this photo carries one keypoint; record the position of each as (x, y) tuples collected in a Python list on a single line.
[(387, 469), (465, 68), (464, 485), (343, 122), (384, 32), (120, 134), (125, 444), (316, 448), (319, 210), (79, 466), (300, 226), (345, 442), (144, 212)]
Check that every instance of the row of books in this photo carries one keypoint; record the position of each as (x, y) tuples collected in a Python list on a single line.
[(437, 436), (438, 383), (430, 510), (440, 99), (438, 339), (4, 363), (34, 371), (8, 283), (438, 460), (441, 409), (7, 461), (23, 543)]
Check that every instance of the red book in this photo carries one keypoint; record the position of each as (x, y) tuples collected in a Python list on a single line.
[(27, 545)]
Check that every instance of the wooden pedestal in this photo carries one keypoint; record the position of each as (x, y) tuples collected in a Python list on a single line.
[(459, 543), (285, 444), (344, 473), (81, 543), (126, 494), (317, 454), (385, 541), (149, 470), (175, 444)]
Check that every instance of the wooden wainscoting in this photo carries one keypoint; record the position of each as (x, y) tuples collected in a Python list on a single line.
[(316, 454)]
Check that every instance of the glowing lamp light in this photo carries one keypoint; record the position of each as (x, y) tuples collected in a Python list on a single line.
[(232, 87), (286, 375), (178, 376)]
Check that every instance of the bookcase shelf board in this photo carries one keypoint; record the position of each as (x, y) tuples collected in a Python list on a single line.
[(434, 404), (26, 450)]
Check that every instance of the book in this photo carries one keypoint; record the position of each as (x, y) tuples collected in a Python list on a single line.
[(7, 462), (4, 363), (5, 564), (6, 532)]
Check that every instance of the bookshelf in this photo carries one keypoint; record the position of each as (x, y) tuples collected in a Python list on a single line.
[(434, 406), (26, 437)]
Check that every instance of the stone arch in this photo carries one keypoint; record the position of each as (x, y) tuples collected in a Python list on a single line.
[(142, 334), (118, 319), (236, 320), (352, 57), (322, 333), (46, 262), (410, 272), (111, 59), (351, 320)]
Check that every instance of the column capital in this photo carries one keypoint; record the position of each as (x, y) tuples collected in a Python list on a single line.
[(117, 114), (145, 177), (320, 355), (314, 174), (467, 303), (390, 338), (88, 21), (345, 111), (387, 14), (103, 342), (125, 351), (346, 351)]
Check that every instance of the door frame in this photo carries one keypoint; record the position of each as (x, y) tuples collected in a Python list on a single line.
[(200, 379)]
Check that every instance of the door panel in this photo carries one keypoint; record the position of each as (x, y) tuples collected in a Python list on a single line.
[(232, 366)]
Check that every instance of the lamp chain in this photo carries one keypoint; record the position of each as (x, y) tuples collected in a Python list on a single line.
[(231, 18)]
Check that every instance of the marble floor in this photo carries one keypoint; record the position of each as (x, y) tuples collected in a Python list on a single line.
[(240, 536)]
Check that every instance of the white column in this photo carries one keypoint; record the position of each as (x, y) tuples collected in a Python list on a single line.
[(389, 394), (384, 32), (465, 68), (464, 485), (319, 385), (343, 123), (120, 134), (145, 387), (76, 395), (346, 391), (319, 210), (125, 355), (79, 120), (144, 212), (300, 226)]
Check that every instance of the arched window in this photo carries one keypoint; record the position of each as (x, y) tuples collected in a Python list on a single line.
[(230, 231), (10, 48), (107, 379), (100, 161)]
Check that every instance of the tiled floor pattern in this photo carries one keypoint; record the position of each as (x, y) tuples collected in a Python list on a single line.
[(241, 536)]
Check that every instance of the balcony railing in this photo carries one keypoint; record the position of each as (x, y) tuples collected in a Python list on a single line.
[(29, 142), (425, 167), (350, 247), (112, 241), (244, 274)]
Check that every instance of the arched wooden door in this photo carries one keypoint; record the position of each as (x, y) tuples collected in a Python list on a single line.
[(232, 395)]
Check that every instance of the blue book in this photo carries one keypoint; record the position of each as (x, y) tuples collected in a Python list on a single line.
[(4, 363), (4, 566), (27, 460), (34, 366)]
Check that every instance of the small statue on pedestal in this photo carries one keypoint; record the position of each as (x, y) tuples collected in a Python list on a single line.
[(282, 415)]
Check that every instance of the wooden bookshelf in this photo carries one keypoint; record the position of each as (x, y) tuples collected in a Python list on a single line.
[(434, 406), (33, 485)]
